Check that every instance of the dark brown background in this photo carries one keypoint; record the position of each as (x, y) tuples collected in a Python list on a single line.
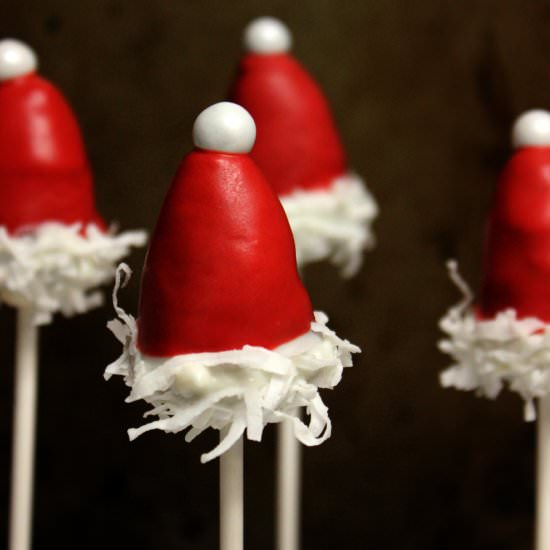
[(424, 93)]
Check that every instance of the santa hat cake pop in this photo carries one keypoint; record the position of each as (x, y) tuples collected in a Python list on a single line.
[(226, 337), (505, 338), (54, 247), (298, 149)]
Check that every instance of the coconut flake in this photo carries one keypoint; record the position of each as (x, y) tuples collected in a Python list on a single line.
[(493, 354), (333, 224), (235, 390), (55, 268)]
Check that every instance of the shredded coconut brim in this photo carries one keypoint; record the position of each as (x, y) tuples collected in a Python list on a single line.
[(492, 354), (56, 268), (236, 390), (333, 224)]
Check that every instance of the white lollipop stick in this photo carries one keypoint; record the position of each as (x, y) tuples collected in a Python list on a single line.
[(24, 422), (543, 476), (289, 481), (231, 498)]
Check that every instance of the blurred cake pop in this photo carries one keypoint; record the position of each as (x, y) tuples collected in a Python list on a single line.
[(55, 248), (504, 338), (299, 150)]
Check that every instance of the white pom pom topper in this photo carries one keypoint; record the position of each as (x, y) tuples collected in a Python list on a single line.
[(532, 128), (16, 59), (267, 35), (225, 127)]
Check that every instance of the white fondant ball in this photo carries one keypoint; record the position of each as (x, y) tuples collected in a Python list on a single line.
[(225, 127), (267, 35), (16, 59), (532, 128)]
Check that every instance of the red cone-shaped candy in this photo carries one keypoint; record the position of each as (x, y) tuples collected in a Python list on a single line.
[(517, 255), (221, 269), (297, 145), (44, 172)]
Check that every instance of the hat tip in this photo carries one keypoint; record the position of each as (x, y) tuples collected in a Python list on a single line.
[(16, 59), (224, 127), (267, 35), (532, 128)]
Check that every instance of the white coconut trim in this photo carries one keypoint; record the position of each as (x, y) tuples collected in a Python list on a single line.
[(493, 354), (333, 224), (236, 390), (55, 267)]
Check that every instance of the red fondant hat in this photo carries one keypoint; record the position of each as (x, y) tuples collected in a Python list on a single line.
[(517, 252), (297, 146), (44, 173), (221, 270)]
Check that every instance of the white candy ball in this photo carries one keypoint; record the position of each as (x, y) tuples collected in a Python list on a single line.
[(267, 35), (16, 59), (532, 128), (225, 127)]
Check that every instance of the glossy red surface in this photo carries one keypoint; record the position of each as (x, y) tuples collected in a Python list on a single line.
[(221, 269), (297, 144), (517, 251), (44, 173)]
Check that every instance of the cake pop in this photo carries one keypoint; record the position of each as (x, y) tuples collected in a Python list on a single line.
[(226, 337), (503, 339), (300, 152), (55, 248)]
